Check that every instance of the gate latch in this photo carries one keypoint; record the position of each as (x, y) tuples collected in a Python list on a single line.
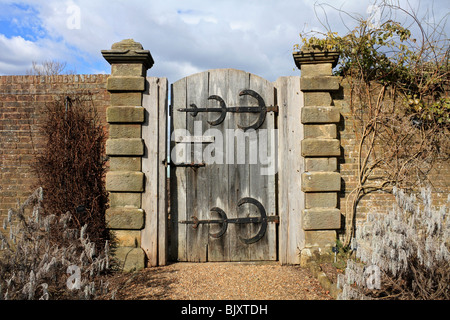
[(191, 165)]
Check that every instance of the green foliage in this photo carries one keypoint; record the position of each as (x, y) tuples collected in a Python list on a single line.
[(436, 111), (343, 253), (390, 56), (365, 51), (341, 248)]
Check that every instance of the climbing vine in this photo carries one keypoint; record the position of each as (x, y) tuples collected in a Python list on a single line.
[(400, 109)]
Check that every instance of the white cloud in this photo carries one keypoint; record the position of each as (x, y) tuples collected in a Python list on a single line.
[(20, 54), (195, 17), (183, 36)]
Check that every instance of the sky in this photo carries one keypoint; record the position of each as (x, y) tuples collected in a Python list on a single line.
[(183, 36)]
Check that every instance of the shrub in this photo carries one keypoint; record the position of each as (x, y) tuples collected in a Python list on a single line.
[(403, 254), (36, 265), (71, 166)]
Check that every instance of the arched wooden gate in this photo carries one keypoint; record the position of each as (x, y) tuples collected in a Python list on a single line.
[(235, 194), (223, 195)]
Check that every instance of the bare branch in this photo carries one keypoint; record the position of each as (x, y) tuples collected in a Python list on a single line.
[(48, 68)]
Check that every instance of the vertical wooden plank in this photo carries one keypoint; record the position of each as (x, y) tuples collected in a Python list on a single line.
[(262, 185), (162, 173), (283, 151), (291, 198), (296, 196), (238, 172), (178, 176), (197, 193), (150, 132), (218, 248)]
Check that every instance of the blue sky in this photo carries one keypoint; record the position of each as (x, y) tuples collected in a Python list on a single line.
[(184, 36)]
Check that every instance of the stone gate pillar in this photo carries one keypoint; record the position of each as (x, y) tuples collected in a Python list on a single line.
[(321, 180), (125, 148)]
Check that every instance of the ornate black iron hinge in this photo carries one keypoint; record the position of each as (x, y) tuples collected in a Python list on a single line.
[(262, 109), (224, 221)]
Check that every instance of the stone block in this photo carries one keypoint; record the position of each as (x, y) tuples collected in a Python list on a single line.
[(319, 83), (130, 258), (321, 164), (124, 218), (117, 131), (125, 199), (125, 164), (125, 84), (128, 70), (316, 70), (312, 98), (125, 114), (124, 147), (321, 219), (320, 114), (327, 131), (126, 238), (321, 181), (126, 98), (125, 181), (320, 238), (320, 147), (320, 199)]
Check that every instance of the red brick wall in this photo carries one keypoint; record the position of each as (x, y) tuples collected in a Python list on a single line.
[(22, 101), (381, 202)]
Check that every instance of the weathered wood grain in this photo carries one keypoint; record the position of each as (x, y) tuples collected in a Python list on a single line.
[(154, 235), (291, 198), (232, 176), (218, 248), (163, 236), (197, 193), (178, 176), (262, 181)]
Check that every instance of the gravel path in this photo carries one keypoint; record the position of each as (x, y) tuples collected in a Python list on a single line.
[(218, 281)]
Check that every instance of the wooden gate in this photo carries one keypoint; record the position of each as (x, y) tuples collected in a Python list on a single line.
[(223, 165)]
